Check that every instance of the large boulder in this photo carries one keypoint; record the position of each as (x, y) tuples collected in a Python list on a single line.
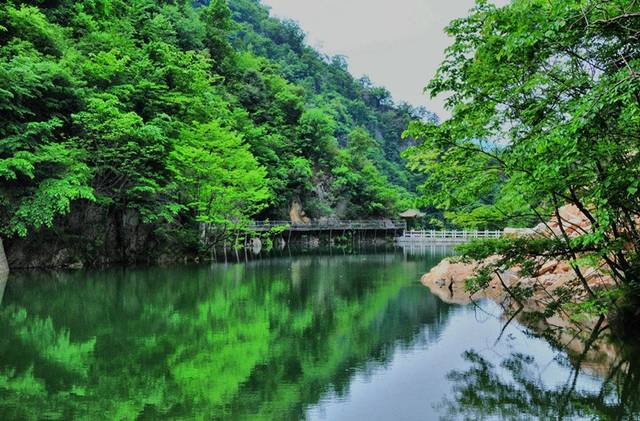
[(256, 245), (572, 221), (447, 281)]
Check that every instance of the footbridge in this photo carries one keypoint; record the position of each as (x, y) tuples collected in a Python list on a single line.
[(445, 236), (329, 225), (395, 228)]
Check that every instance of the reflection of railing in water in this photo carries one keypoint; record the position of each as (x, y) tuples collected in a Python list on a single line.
[(426, 249), (448, 236), (329, 225)]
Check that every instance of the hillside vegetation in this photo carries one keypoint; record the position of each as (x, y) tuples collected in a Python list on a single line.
[(125, 124)]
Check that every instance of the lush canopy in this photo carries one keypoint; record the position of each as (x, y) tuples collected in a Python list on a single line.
[(153, 116), (546, 112)]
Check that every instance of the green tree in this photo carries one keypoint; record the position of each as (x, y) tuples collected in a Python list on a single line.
[(127, 154), (41, 170), (218, 178), (546, 112), (316, 136), (360, 143)]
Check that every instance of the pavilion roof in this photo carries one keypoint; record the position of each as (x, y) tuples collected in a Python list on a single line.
[(411, 213)]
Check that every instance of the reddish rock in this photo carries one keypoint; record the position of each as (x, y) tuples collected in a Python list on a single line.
[(447, 281), (548, 267), (563, 267), (572, 220)]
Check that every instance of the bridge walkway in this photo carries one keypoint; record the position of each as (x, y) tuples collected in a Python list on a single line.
[(330, 225)]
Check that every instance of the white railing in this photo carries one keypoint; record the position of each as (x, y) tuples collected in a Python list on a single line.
[(452, 236)]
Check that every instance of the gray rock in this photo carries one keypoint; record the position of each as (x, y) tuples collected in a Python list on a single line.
[(279, 243), (76, 265), (256, 245)]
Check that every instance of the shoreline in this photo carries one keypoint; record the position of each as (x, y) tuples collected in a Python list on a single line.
[(583, 339), (554, 284)]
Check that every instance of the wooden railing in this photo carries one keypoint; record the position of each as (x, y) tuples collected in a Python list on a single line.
[(447, 236), (329, 225)]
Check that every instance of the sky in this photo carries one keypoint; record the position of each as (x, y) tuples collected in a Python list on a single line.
[(398, 43)]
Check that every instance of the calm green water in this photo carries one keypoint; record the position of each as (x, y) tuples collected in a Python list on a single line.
[(319, 337)]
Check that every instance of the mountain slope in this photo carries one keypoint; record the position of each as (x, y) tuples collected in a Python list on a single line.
[(127, 124)]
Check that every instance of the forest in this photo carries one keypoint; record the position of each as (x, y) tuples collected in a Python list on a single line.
[(128, 124), (142, 133)]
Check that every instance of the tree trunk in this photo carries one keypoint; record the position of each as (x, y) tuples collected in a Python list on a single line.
[(4, 266)]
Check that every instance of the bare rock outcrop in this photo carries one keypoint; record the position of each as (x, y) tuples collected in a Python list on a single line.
[(447, 279), (571, 220), (4, 270), (297, 215)]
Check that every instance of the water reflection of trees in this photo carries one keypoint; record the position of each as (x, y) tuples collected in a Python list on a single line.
[(514, 389), (262, 340)]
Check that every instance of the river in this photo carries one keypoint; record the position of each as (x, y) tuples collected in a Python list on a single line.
[(283, 337)]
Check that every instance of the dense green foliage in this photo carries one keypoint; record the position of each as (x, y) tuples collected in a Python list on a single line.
[(329, 86), (546, 112), (176, 113)]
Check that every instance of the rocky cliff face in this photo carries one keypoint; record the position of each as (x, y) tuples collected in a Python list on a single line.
[(93, 236)]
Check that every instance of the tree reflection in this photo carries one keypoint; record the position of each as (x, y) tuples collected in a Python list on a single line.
[(261, 340), (515, 388)]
